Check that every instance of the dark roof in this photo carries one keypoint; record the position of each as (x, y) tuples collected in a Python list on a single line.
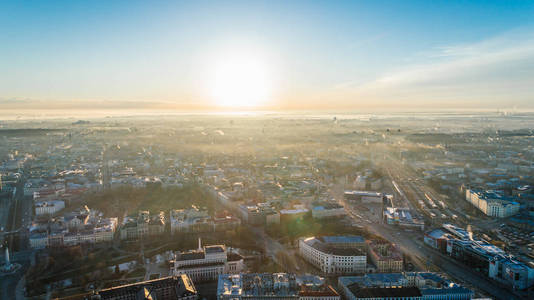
[(383, 292), (191, 255), (186, 267), (328, 248), (234, 257), (181, 285), (214, 249)]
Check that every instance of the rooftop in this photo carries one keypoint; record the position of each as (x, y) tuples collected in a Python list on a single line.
[(181, 286), (331, 245), (342, 239), (389, 292)]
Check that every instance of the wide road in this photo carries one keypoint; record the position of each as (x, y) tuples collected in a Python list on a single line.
[(426, 258), (410, 243)]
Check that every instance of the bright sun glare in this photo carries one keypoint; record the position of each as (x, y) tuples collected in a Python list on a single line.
[(240, 80)]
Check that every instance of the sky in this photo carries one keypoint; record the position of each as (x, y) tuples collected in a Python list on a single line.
[(299, 54)]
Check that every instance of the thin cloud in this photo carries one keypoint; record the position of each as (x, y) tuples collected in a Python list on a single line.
[(498, 67)]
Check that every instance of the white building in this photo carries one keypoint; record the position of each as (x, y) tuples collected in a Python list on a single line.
[(335, 254), (492, 204), (48, 207), (207, 263)]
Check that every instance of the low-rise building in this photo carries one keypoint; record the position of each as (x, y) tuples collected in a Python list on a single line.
[(142, 226), (79, 227), (405, 286), (169, 288), (335, 254), (192, 219), (385, 256), (481, 256), (364, 197), (197, 220), (259, 214), (49, 207), (223, 221), (402, 217), (437, 239), (328, 210), (207, 263), (492, 203), (38, 240), (511, 272), (276, 286)]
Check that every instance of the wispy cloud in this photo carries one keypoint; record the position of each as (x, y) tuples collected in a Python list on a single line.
[(501, 68)]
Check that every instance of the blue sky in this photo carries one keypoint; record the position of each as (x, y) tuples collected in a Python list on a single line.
[(322, 54)]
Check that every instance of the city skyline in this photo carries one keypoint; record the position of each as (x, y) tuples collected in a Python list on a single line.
[(266, 56)]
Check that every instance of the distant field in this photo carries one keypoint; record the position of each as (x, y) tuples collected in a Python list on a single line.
[(25, 132)]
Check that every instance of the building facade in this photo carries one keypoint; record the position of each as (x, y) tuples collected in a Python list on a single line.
[(335, 255), (402, 286), (207, 263), (491, 203), (48, 207), (142, 226), (385, 256)]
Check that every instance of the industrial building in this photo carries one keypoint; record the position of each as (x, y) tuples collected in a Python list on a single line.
[(481, 256), (328, 210), (402, 217)]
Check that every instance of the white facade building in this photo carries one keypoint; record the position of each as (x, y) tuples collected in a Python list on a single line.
[(342, 255), (492, 204), (48, 207), (207, 263)]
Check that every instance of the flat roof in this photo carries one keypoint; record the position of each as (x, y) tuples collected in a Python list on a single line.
[(384, 292), (340, 239), (363, 193)]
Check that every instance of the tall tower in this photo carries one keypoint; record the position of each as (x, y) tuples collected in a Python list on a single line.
[(199, 244)]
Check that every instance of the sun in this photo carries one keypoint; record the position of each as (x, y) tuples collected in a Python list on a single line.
[(240, 80)]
